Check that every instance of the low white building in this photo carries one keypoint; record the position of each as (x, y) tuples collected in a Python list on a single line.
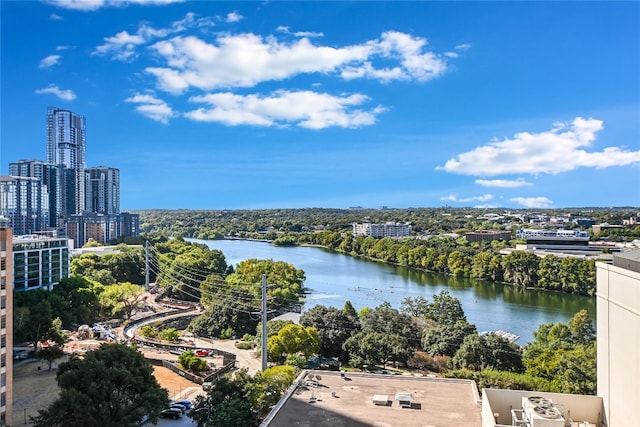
[(388, 229)]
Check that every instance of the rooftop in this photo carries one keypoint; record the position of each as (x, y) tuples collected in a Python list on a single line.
[(326, 398)]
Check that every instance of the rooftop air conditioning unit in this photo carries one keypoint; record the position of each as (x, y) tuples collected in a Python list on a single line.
[(542, 412)]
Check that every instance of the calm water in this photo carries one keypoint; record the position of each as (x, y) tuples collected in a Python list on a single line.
[(335, 278)]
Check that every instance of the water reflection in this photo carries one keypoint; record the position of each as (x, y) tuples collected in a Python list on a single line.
[(334, 278)]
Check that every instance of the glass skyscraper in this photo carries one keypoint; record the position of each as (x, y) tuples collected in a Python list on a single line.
[(66, 139)]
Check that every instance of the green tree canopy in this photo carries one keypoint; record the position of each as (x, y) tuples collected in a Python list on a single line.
[(334, 328), (113, 386)]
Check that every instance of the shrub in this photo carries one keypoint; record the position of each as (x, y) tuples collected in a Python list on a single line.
[(244, 345), (189, 361), (425, 362), (171, 335), (225, 334), (148, 331)]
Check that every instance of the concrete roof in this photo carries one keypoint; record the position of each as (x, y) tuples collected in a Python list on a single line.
[(333, 401)]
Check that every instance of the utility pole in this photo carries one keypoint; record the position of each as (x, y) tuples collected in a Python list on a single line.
[(146, 265), (264, 322)]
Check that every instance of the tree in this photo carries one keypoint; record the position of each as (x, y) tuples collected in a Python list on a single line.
[(521, 268), (50, 354), (113, 386), (446, 339), (386, 319), (293, 339), (445, 309), (334, 328), (414, 307), (122, 298), (473, 353), (226, 404), (377, 348)]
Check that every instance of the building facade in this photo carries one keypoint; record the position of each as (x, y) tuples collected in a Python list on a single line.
[(618, 328), (103, 190), (24, 201), (39, 261), (487, 235), (66, 146), (6, 324), (103, 228), (50, 177), (388, 229)]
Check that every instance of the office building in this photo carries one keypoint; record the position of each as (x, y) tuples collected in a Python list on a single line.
[(388, 229), (618, 328), (103, 228), (24, 202), (487, 235), (103, 190), (66, 136), (50, 176), (39, 261), (6, 324)]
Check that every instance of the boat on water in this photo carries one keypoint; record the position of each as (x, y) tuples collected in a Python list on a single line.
[(511, 337)]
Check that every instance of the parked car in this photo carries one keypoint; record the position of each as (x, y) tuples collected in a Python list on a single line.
[(185, 402), (181, 407), (203, 353), (171, 413)]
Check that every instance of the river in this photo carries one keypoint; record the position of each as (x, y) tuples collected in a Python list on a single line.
[(334, 278)]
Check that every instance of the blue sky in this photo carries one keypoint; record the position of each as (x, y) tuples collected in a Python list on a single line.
[(243, 105)]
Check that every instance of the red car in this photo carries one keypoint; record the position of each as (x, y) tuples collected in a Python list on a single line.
[(202, 353)]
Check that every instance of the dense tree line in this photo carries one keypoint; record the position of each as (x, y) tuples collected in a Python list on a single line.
[(272, 223), (331, 228)]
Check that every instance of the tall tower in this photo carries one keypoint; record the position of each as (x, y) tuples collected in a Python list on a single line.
[(50, 176), (103, 190), (66, 133), (6, 323)]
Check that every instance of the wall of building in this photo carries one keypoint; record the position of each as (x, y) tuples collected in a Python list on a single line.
[(6, 325), (618, 328)]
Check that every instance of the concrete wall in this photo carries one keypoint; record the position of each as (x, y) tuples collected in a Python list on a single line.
[(618, 327)]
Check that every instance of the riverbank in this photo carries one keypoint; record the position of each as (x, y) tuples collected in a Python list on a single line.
[(332, 279)]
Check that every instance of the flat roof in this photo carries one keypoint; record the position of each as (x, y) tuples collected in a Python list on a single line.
[(356, 401)]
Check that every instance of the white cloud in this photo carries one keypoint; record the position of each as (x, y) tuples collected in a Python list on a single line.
[(454, 198), (533, 202), (449, 198), (91, 5), (49, 61), (152, 107), (55, 17), (304, 109), (244, 60), (451, 54), (123, 45), (64, 94), (464, 46), (62, 47), (233, 17), (503, 183), (560, 149), (285, 29)]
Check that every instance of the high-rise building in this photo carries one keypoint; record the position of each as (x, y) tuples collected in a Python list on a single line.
[(50, 176), (24, 201), (66, 138), (6, 323), (103, 190)]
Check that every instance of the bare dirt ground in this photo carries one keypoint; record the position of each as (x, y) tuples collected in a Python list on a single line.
[(35, 389)]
